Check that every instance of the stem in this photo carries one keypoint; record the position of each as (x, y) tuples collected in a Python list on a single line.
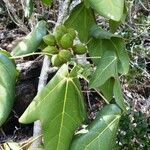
[(30, 54), (37, 130), (96, 57)]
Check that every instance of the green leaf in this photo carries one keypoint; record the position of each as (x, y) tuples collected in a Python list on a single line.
[(115, 24), (106, 69), (103, 41), (99, 33), (107, 89), (60, 108), (99, 43), (81, 19), (118, 95), (31, 41), (28, 8), (123, 58), (47, 2), (95, 48), (102, 131), (112, 9), (7, 85)]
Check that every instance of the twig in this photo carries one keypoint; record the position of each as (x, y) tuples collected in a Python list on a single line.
[(1, 130), (144, 6), (14, 17), (30, 54), (37, 130)]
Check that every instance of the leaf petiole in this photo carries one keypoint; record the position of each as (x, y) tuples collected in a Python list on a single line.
[(31, 54)]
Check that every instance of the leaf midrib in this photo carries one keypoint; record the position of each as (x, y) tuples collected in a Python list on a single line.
[(117, 117), (104, 69), (63, 112)]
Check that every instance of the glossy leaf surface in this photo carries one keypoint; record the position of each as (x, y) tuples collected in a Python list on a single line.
[(8, 75), (31, 41), (102, 131), (60, 108), (81, 19), (112, 9)]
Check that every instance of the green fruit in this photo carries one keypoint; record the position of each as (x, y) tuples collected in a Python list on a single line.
[(66, 41), (42, 45), (59, 32), (58, 35), (49, 40), (51, 50), (72, 32), (56, 61), (79, 49), (65, 55), (61, 28)]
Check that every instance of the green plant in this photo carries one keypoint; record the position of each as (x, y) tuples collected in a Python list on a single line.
[(134, 132), (7, 85), (60, 105)]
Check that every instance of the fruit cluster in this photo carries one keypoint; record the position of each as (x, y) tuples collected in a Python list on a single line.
[(61, 46)]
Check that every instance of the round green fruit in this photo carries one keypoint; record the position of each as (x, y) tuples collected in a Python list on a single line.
[(58, 35), (59, 32), (61, 28), (56, 61), (66, 41), (79, 49), (42, 45), (65, 55), (72, 32), (51, 50), (49, 40)]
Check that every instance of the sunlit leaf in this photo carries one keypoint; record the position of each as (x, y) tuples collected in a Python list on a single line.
[(102, 131), (60, 108), (31, 41), (112, 9), (81, 19)]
